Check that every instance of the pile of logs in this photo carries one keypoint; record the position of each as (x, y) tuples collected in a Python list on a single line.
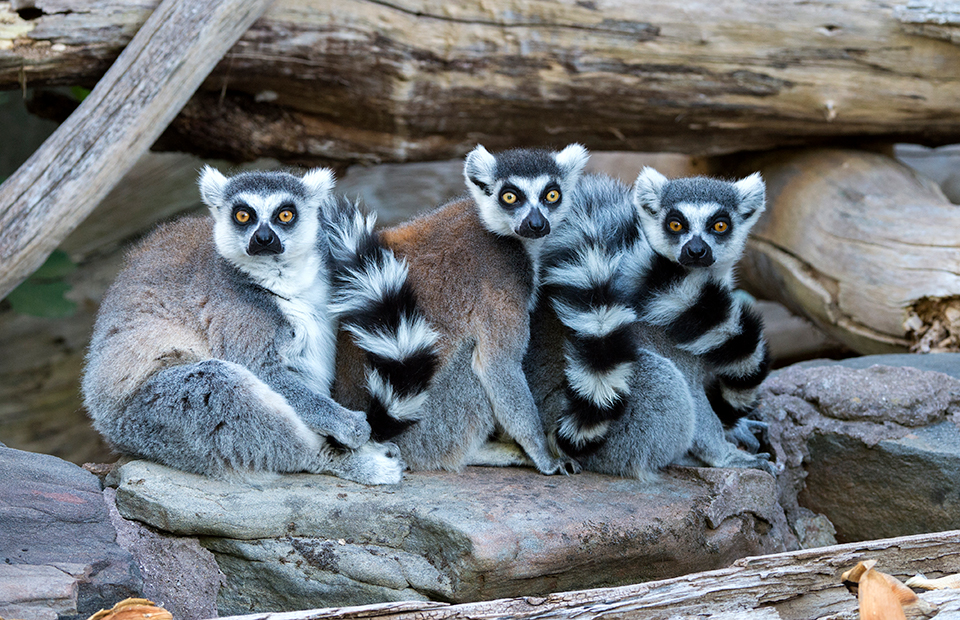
[(853, 241)]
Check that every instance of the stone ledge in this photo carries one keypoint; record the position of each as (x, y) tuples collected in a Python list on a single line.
[(300, 541)]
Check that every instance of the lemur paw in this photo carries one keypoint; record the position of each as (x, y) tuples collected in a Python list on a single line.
[(351, 429), (564, 465), (371, 463)]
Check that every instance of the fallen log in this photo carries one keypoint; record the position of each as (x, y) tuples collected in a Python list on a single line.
[(800, 585), (859, 244), (419, 79), (80, 163)]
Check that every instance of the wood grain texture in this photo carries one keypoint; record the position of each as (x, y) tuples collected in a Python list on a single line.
[(135, 100), (854, 241), (798, 585), (401, 80)]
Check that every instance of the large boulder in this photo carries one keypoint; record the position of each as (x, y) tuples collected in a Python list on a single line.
[(873, 447), (58, 552), (306, 541)]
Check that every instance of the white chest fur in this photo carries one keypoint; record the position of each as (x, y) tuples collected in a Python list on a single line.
[(302, 295)]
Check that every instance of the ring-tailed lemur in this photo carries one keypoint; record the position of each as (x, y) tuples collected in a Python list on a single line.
[(213, 351), (647, 273), (474, 265)]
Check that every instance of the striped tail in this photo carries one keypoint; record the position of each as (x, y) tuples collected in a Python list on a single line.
[(704, 317), (600, 351), (377, 305)]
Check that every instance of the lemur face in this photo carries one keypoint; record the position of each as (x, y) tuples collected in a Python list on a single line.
[(522, 193), (698, 222), (263, 216)]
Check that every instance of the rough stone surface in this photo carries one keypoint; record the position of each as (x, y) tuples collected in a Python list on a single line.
[(58, 550), (875, 449), (178, 573), (302, 541), (947, 363)]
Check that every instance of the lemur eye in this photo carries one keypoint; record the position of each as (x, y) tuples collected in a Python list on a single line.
[(553, 195), (720, 226), (675, 225), (286, 216), (508, 197), (242, 216)]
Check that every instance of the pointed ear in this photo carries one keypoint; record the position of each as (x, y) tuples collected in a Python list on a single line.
[(212, 184), (318, 182), (752, 193), (648, 189), (480, 169), (572, 160)]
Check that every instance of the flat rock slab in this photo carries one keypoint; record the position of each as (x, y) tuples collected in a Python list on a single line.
[(58, 552), (305, 541)]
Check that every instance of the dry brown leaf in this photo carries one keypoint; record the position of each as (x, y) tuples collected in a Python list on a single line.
[(133, 609), (851, 577), (878, 599), (942, 583)]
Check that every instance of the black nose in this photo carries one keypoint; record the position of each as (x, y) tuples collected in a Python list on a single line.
[(534, 225), (696, 253), (264, 241)]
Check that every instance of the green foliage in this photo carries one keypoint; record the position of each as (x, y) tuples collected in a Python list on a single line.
[(42, 293), (79, 92)]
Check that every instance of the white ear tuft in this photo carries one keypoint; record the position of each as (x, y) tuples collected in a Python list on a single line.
[(212, 183), (647, 190), (753, 195), (572, 159), (318, 182), (480, 169)]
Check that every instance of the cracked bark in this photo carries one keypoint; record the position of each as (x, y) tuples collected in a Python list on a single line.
[(406, 80)]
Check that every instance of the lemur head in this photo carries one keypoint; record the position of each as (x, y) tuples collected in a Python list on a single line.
[(698, 221), (265, 216), (522, 192)]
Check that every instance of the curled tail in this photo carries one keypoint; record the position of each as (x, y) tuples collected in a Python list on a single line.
[(705, 318), (377, 305), (600, 351), (739, 367)]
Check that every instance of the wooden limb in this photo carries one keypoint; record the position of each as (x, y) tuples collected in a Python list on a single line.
[(798, 585), (131, 105), (407, 80), (858, 243)]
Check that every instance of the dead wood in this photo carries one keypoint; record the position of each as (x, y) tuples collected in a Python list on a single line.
[(75, 168), (799, 585), (859, 244), (362, 81)]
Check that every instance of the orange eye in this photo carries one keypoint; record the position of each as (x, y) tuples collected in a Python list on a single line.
[(553, 196), (508, 198), (242, 216), (721, 227), (285, 216), (675, 225)]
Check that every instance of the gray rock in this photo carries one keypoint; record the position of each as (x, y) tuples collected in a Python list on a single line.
[(58, 550), (178, 573), (947, 363), (303, 541), (876, 450)]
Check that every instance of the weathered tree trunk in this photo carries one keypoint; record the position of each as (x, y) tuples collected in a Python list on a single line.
[(801, 585), (861, 245), (426, 79), (67, 177)]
